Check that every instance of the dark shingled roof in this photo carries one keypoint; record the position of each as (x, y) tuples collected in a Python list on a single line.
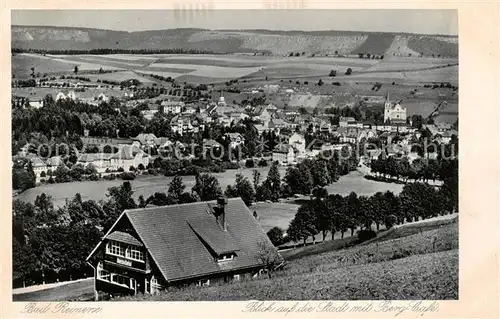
[(124, 238), (180, 237)]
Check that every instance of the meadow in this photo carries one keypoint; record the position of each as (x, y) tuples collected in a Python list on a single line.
[(143, 185)]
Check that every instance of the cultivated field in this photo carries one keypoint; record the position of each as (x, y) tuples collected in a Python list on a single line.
[(220, 68), (118, 77)]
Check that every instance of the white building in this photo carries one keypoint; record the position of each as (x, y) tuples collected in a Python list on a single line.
[(35, 103), (39, 167), (285, 155), (235, 139), (150, 112), (186, 123), (298, 142), (70, 95), (172, 107), (125, 158)]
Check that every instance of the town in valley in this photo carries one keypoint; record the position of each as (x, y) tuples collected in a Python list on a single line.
[(202, 164)]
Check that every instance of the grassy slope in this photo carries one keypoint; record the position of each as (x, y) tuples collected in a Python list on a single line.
[(420, 266), (431, 276)]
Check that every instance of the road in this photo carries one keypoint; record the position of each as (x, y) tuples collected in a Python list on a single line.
[(80, 289)]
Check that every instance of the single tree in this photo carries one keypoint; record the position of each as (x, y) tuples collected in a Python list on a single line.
[(207, 187), (176, 188)]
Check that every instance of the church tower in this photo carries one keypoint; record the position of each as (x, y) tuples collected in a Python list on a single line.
[(387, 108)]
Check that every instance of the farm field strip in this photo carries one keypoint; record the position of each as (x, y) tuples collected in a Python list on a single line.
[(395, 67), (196, 79), (174, 69), (126, 57), (161, 73), (105, 60), (118, 76), (212, 62), (221, 72)]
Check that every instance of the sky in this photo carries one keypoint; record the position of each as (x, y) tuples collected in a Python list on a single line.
[(381, 20)]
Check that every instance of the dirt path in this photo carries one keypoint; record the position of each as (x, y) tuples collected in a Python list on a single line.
[(46, 286)]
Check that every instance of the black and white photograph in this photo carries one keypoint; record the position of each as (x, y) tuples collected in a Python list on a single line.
[(234, 155)]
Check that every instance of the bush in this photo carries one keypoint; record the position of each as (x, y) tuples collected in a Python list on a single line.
[(110, 177), (249, 163), (262, 163), (230, 165), (94, 177), (120, 169), (127, 176), (140, 167), (275, 235), (348, 72), (152, 171), (366, 234)]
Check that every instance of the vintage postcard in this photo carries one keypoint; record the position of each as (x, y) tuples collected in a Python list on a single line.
[(296, 160)]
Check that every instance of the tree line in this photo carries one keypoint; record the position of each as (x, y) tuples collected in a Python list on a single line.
[(105, 51), (330, 213)]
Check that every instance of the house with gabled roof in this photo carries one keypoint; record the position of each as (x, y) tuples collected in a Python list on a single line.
[(235, 139), (285, 154), (39, 167), (147, 139), (150, 249)]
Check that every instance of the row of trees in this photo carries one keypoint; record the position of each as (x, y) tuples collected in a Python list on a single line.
[(103, 51), (335, 213), (421, 168)]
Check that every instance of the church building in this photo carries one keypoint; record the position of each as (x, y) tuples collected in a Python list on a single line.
[(394, 113)]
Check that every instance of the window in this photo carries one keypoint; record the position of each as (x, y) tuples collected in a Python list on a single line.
[(203, 282), (225, 257), (124, 250), (135, 253), (121, 280), (116, 248)]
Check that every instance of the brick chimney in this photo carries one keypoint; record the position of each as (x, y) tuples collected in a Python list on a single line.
[(220, 212)]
